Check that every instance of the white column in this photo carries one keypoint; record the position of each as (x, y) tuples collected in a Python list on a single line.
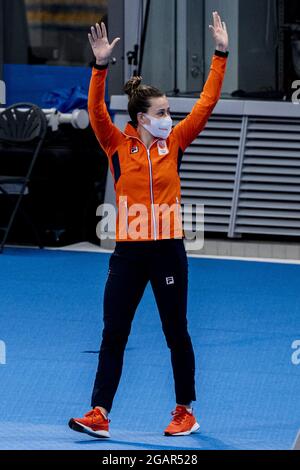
[(2, 92)]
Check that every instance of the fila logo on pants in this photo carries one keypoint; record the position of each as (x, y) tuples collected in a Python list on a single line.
[(170, 281)]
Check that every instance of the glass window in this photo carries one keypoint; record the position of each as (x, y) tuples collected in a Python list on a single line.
[(58, 30), (174, 47)]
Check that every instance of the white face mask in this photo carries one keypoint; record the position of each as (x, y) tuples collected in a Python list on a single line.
[(159, 127)]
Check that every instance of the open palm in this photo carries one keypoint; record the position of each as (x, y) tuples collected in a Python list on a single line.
[(100, 45), (219, 31)]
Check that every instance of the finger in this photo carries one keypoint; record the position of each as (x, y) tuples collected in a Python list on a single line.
[(224, 26), (115, 41), (219, 22), (92, 42), (104, 31), (212, 28), (94, 34), (214, 19), (99, 32)]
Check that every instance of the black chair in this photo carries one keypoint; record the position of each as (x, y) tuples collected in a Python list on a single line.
[(23, 128)]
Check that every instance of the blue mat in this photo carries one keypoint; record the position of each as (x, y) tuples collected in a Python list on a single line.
[(243, 318)]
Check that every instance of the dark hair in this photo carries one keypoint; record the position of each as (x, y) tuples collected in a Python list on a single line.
[(139, 97)]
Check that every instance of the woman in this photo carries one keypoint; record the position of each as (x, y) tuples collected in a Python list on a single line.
[(145, 162)]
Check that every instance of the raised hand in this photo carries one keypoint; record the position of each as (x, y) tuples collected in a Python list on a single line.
[(100, 45), (219, 31)]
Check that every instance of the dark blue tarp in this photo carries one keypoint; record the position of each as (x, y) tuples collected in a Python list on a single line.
[(44, 84)]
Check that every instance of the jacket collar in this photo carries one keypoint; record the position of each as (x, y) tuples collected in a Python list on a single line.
[(131, 130)]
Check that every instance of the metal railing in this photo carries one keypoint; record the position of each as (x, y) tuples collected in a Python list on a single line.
[(79, 118)]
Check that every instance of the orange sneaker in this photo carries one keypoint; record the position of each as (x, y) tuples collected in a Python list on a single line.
[(182, 424), (94, 423)]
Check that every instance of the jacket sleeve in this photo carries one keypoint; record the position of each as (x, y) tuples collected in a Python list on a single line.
[(189, 128), (108, 135)]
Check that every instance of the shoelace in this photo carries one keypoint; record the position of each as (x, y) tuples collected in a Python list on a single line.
[(94, 414), (179, 416), (90, 413)]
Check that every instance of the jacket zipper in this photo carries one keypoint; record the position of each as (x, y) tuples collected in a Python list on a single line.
[(126, 210), (179, 214), (151, 181), (178, 207), (151, 194)]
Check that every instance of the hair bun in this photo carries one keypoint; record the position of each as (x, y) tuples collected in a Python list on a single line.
[(132, 86)]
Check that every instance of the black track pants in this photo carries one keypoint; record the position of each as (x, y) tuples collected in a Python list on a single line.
[(131, 267)]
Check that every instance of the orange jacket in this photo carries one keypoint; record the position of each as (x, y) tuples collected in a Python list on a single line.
[(147, 181)]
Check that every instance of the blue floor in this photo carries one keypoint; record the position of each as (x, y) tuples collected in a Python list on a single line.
[(243, 319)]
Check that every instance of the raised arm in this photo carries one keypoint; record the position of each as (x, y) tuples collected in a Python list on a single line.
[(108, 135), (190, 127)]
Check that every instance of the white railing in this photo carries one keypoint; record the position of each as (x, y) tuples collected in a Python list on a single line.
[(78, 118)]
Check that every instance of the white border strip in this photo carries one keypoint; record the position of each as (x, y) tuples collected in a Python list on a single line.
[(296, 445), (93, 249), (86, 247), (255, 260)]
